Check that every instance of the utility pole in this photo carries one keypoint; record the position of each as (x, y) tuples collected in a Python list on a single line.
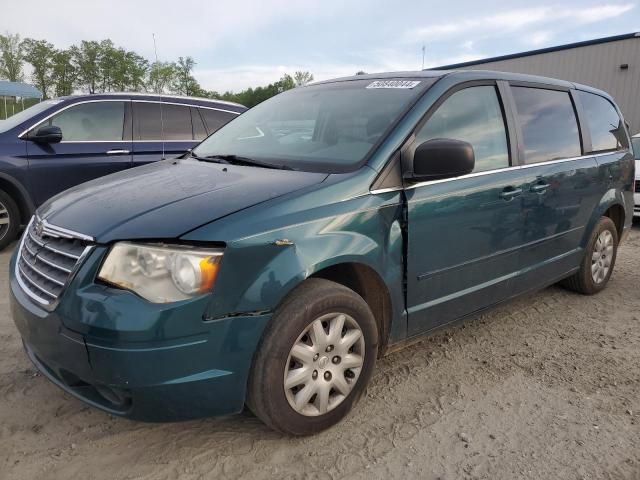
[(423, 50)]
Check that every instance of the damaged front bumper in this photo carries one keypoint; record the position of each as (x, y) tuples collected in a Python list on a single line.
[(158, 374)]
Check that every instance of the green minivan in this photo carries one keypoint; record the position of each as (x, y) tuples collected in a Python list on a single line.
[(272, 265)]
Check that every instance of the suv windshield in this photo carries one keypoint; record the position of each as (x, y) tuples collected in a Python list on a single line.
[(327, 128), (636, 147), (18, 118)]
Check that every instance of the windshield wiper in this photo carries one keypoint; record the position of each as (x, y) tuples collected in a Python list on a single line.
[(238, 160)]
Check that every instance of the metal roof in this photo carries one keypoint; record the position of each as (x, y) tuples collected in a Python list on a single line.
[(529, 53), (18, 89)]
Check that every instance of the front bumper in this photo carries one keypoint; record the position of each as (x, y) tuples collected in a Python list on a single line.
[(178, 378)]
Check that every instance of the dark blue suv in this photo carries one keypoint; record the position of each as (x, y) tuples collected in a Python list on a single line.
[(60, 143)]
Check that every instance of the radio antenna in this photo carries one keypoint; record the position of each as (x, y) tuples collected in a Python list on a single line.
[(159, 92)]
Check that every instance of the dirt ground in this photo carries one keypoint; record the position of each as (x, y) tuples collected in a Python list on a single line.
[(546, 387)]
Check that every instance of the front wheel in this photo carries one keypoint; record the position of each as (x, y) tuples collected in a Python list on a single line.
[(9, 219), (599, 260), (314, 360)]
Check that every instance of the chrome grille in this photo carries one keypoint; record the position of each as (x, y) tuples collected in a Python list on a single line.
[(48, 257)]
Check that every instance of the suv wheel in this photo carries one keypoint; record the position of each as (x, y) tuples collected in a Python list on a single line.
[(599, 260), (9, 219), (314, 360)]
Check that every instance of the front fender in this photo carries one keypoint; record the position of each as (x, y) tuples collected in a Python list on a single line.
[(259, 270)]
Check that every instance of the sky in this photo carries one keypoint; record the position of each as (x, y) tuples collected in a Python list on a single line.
[(237, 44)]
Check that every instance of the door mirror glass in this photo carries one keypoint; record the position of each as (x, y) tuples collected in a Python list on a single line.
[(442, 158), (47, 134)]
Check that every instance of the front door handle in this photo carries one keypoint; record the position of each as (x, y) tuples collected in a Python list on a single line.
[(510, 192), (117, 152), (539, 187)]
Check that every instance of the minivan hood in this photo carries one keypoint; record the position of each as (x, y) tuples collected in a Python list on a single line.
[(166, 199)]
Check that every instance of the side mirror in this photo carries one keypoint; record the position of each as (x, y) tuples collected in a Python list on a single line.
[(442, 158), (47, 134)]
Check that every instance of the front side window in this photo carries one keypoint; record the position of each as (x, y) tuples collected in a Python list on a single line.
[(90, 122), (473, 115), (155, 121), (548, 123), (604, 123), (324, 128)]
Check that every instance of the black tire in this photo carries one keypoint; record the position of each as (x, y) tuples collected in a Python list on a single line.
[(8, 212), (266, 396), (582, 281)]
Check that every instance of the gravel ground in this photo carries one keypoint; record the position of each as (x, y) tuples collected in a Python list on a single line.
[(543, 387)]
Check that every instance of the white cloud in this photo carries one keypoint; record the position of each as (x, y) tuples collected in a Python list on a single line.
[(180, 27), (539, 38), (516, 20)]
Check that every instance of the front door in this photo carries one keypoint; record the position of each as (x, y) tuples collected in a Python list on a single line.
[(464, 233), (95, 142)]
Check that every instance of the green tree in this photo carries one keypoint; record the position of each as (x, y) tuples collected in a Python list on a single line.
[(86, 60), (40, 54), (184, 82), (108, 60), (302, 78), (162, 76), (63, 73), (132, 73), (11, 57)]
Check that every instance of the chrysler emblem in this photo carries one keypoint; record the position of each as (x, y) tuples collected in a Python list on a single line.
[(39, 228)]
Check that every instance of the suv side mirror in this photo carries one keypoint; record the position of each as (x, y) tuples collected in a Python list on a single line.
[(47, 134), (442, 158)]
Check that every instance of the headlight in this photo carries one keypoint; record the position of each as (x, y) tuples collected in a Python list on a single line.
[(161, 273)]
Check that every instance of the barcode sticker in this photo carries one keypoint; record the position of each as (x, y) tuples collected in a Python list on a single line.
[(393, 84)]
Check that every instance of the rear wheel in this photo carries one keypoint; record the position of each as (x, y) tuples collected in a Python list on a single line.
[(9, 219), (599, 260), (314, 360)]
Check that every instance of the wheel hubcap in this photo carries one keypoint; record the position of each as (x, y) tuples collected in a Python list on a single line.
[(4, 220), (602, 256), (324, 364)]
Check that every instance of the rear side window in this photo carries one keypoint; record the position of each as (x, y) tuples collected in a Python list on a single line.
[(604, 123), (172, 122), (91, 122), (548, 124), (215, 118), (472, 115)]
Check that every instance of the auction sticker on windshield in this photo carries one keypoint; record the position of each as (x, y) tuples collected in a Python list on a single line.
[(393, 84)]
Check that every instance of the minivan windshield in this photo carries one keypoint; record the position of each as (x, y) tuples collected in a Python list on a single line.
[(18, 118), (325, 128)]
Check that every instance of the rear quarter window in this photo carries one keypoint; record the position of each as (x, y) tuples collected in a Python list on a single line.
[(548, 122), (604, 124), (214, 119)]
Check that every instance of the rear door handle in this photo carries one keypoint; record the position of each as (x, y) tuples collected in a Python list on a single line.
[(510, 192), (539, 187), (117, 152)]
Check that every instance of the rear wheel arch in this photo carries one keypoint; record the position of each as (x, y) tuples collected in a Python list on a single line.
[(616, 213)]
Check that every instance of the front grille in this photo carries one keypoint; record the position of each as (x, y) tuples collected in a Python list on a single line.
[(48, 257)]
